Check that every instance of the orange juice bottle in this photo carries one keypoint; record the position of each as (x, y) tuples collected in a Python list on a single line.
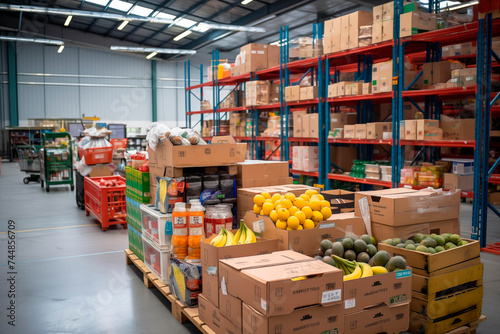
[(196, 226), (180, 231)]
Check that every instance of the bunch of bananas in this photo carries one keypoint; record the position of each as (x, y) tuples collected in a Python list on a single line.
[(352, 269), (227, 238)]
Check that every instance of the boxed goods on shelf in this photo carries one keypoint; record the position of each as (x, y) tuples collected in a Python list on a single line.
[(342, 157), (336, 133), (221, 152), (137, 184), (428, 129), (461, 49), (308, 92), (414, 22), (156, 226), (205, 105), (365, 35), (157, 260), (410, 130), (252, 58), (397, 207), (409, 176), (376, 130), (135, 242), (331, 37), (257, 93), (271, 279), (305, 158), (306, 48), (382, 77), (297, 122), (357, 20), (463, 166), (458, 129), (185, 281), (438, 72), (349, 131), (360, 131), (338, 120), (210, 256), (260, 173)]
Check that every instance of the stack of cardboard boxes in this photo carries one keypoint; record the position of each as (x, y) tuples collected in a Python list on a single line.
[(366, 131), (305, 158), (347, 88), (307, 48), (305, 125), (343, 33), (300, 93), (437, 74), (255, 57), (261, 92), (238, 125), (428, 129), (462, 175)]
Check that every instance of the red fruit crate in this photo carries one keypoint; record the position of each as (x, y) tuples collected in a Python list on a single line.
[(119, 143), (98, 155), (107, 204)]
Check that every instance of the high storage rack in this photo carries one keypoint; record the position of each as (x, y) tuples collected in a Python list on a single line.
[(426, 46)]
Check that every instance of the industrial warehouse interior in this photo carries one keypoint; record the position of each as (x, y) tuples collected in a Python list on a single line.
[(250, 166)]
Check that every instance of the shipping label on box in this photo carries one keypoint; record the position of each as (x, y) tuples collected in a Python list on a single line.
[(349, 131)]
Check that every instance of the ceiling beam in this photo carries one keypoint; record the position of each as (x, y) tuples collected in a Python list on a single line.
[(161, 6), (95, 20)]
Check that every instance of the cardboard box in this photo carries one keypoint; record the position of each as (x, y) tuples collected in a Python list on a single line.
[(387, 30), (257, 92), (367, 88), (391, 289), (288, 93), (380, 319), (360, 131), (357, 88), (100, 170), (210, 315), (344, 32), (222, 151), (296, 93), (210, 256), (297, 122), (261, 173), (254, 56), (438, 72), (455, 181), (308, 92), (271, 291), (230, 307), (382, 77), (342, 156), (378, 12), (413, 22), (332, 90), (313, 126), (338, 120), (310, 165), (347, 223), (343, 88), (323, 319), (245, 195), (494, 198), (350, 131), (383, 232), (273, 56), (463, 167), (398, 207), (410, 129), (376, 130), (377, 32), (458, 129), (388, 11), (339, 198), (428, 129), (356, 20), (167, 171), (305, 130)]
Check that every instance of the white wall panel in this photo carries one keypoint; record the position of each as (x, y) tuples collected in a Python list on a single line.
[(113, 63), (61, 63), (31, 101), (30, 58), (62, 102)]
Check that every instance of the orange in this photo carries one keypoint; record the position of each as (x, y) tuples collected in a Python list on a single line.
[(321, 197), (293, 222), (317, 216), (301, 216), (326, 212), (299, 202), (266, 195), (325, 204), (307, 211), (283, 214), (273, 215), (315, 205), (281, 224), (259, 200), (267, 208), (292, 210), (305, 197), (290, 196), (276, 197), (300, 227), (311, 192), (277, 207), (257, 209), (308, 224), (286, 203)]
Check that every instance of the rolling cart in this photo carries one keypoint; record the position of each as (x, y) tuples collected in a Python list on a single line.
[(56, 160), (29, 162)]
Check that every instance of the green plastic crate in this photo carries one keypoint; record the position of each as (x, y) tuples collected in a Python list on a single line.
[(135, 242), (134, 213)]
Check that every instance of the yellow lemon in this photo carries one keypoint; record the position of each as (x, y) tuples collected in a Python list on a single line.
[(269, 201), (305, 197), (307, 211), (261, 213), (283, 214), (293, 222), (259, 200), (290, 196), (326, 212), (273, 215), (317, 216), (286, 203), (276, 197), (292, 210), (311, 192), (301, 216), (277, 207), (308, 224), (299, 202), (300, 227), (266, 195), (257, 209), (321, 197), (289, 229), (267, 208), (281, 224), (315, 205), (325, 204)]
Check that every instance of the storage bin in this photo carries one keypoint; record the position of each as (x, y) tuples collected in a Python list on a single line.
[(372, 168), (386, 170), (156, 259), (156, 226)]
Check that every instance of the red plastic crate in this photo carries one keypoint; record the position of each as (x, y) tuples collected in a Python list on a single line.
[(119, 143), (107, 204), (98, 155)]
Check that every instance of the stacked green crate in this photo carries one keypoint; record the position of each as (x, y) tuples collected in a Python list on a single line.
[(134, 213), (135, 242), (137, 185)]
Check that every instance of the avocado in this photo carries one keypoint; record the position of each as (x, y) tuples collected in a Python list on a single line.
[(337, 249), (410, 247), (446, 237), (439, 239), (429, 242), (320, 252), (449, 245), (389, 242), (326, 244), (397, 240), (366, 238), (381, 258), (455, 238), (409, 241), (462, 242), (439, 249), (347, 243), (401, 245), (317, 257), (350, 255), (371, 250), (329, 260), (431, 250), (397, 262), (363, 257), (329, 252), (422, 248), (360, 246), (418, 237)]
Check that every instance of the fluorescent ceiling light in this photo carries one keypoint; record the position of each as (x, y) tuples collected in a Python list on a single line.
[(275, 43), (32, 40), (121, 26), (99, 2), (151, 55), (119, 5), (245, 2), (61, 48), (164, 16), (181, 36), (231, 27), (222, 36), (464, 5), (141, 11), (68, 20), (157, 50), (185, 23)]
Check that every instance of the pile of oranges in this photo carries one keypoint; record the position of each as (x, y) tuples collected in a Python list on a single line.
[(289, 212)]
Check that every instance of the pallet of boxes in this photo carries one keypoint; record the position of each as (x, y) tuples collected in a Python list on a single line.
[(294, 289), (424, 228)]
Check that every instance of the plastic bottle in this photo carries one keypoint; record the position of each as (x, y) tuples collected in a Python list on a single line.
[(180, 233), (196, 228)]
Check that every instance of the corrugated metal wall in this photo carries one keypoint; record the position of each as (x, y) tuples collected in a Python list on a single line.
[(4, 87), (90, 82)]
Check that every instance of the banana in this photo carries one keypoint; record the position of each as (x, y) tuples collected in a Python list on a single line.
[(355, 274), (250, 236), (378, 270), (243, 236), (237, 236), (216, 240), (230, 238), (222, 243), (366, 269), (300, 278), (347, 266)]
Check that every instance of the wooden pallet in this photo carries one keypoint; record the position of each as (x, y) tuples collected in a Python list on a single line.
[(180, 312), (470, 328)]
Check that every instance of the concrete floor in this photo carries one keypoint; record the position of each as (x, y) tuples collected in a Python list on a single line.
[(72, 277)]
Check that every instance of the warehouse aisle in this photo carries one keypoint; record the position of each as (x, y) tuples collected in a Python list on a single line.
[(72, 277)]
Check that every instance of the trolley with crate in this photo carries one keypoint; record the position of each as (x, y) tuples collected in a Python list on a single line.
[(106, 203), (29, 162), (56, 160)]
